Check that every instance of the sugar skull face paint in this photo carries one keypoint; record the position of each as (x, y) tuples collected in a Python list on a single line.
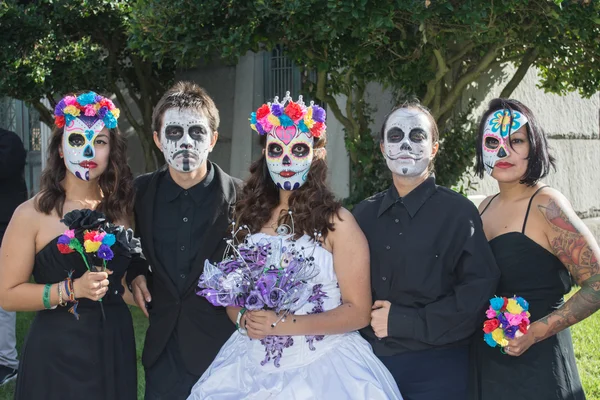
[(185, 139), (496, 136), (407, 144), (80, 138), (289, 156)]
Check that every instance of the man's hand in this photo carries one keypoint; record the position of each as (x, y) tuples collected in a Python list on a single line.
[(379, 318), (141, 295)]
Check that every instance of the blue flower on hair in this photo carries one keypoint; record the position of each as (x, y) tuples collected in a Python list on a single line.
[(253, 118), (87, 98), (302, 126), (109, 120), (68, 119), (286, 121)]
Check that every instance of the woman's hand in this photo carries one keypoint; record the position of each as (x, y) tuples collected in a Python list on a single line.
[(92, 285), (259, 323), (521, 342)]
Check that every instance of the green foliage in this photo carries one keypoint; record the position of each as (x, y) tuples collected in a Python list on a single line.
[(53, 47), (431, 50)]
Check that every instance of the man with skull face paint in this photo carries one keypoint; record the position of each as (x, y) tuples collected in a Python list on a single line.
[(182, 212), (432, 270)]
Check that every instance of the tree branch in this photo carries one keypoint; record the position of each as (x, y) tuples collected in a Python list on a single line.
[(125, 107), (469, 77), (350, 103), (330, 100), (461, 53), (528, 59), (46, 115), (432, 85)]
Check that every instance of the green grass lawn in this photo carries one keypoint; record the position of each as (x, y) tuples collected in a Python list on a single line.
[(586, 340)]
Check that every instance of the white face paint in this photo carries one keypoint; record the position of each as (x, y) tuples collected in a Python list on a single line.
[(79, 138), (496, 136), (185, 139), (407, 142), (289, 155)]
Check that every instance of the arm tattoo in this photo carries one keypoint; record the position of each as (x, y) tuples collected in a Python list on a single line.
[(574, 250)]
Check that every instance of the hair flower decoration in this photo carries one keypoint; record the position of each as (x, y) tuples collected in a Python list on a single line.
[(310, 120), (89, 104)]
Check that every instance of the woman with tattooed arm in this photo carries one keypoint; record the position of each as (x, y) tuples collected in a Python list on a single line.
[(540, 245)]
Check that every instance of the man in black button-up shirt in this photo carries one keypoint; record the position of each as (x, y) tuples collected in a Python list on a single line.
[(432, 271), (182, 213)]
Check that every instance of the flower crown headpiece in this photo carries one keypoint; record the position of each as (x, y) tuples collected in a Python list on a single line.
[(89, 104), (310, 120)]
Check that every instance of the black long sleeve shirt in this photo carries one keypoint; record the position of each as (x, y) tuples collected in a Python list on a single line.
[(180, 224), (431, 260)]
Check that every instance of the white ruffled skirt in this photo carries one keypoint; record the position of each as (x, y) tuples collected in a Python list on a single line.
[(340, 367)]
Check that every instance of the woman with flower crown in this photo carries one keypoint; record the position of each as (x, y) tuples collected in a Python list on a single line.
[(314, 351), (81, 342)]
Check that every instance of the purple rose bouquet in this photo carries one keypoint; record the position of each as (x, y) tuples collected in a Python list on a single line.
[(270, 275)]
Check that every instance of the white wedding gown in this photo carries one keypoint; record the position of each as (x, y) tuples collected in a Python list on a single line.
[(333, 367)]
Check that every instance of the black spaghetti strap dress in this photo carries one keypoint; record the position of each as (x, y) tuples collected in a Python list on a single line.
[(91, 358), (547, 370)]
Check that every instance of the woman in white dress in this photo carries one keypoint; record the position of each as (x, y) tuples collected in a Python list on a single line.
[(315, 353)]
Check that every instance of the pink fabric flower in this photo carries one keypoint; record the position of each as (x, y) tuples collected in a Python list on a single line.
[(70, 100), (514, 319), (99, 237), (90, 110), (70, 233), (267, 126), (490, 313)]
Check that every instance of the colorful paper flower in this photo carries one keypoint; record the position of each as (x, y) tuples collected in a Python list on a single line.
[(72, 110), (498, 336), (262, 111), (266, 125), (91, 246), (87, 98), (294, 112), (105, 253), (89, 104), (490, 313), (253, 118), (276, 110), (513, 307), (273, 120), (490, 340), (490, 325), (318, 113), (497, 303), (523, 303), (109, 239)]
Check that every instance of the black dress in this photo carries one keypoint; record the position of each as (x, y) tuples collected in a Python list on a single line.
[(547, 370), (91, 358)]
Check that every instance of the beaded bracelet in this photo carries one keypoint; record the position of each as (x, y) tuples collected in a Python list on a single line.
[(60, 295), (46, 296)]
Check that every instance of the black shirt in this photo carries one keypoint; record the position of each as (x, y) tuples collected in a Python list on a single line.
[(180, 224), (431, 260), (13, 190)]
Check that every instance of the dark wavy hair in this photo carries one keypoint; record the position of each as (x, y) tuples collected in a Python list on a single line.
[(313, 204), (539, 160), (116, 183)]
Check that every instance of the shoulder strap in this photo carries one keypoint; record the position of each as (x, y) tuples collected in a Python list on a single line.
[(488, 204), (529, 207)]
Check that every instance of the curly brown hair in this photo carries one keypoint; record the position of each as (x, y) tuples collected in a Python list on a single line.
[(314, 206), (116, 183)]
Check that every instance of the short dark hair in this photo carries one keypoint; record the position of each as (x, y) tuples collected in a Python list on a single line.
[(539, 159), (435, 133), (186, 95)]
